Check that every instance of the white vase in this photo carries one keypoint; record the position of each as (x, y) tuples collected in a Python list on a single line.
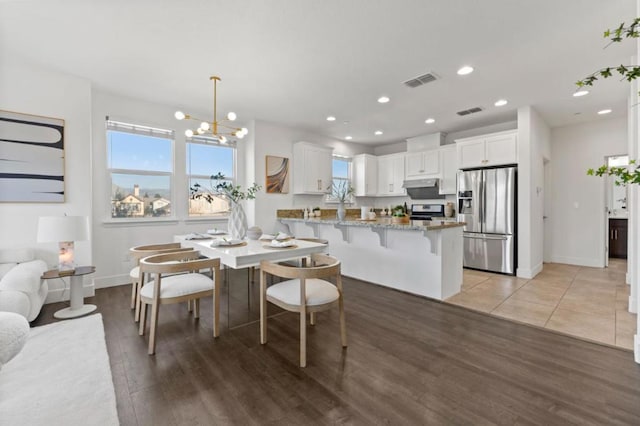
[(237, 225), (341, 213)]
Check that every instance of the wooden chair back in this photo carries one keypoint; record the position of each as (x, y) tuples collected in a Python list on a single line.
[(175, 262), (322, 266), (139, 252)]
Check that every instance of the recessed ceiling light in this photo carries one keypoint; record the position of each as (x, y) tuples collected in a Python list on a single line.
[(580, 93), (604, 111), (465, 70), (378, 132), (383, 99), (501, 102), (348, 138), (430, 120), (331, 118)]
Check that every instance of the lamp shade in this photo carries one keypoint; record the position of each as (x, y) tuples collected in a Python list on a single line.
[(63, 228)]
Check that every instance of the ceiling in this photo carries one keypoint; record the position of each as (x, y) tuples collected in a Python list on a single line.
[(295, 62)]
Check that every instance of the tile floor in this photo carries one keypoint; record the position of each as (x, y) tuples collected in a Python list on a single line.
[(590, 303)]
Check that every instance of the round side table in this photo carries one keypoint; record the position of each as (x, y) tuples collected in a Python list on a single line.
[(77, 308)]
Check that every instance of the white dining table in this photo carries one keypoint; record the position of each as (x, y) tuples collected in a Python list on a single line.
[(247, 256), (251, 253)]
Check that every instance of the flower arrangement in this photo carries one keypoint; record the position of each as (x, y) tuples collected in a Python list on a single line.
[(341, 191), (222, 188)]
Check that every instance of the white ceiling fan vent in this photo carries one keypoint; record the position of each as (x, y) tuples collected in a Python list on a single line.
[(469, 111), (419, 81)]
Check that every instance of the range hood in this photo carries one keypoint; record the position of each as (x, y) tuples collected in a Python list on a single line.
[(423, 189)]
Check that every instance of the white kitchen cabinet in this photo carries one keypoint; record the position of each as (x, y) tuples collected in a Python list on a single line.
[(488, 150), (449, 168), (365, 173), (312, 173), (391, 175), (419, 165)]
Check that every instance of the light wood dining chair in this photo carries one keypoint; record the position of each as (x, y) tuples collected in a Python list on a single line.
[(177, 278), (304, 291), (137, 279)]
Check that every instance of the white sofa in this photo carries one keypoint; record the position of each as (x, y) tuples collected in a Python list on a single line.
[(21, 289)]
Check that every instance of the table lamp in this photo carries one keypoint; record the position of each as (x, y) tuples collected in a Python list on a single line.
[(64, 230)]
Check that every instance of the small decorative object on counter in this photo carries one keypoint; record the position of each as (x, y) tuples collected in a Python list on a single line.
[(254, 233), (383, 212), (399, 215), (448, 210), (317, 212), (305, 215)]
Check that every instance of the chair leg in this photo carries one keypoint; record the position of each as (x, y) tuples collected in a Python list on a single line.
[(303, 339), (138, 302), (216, 304), (196, 309), (189, 306), (143, 318), (263, 307), (134, 292), (154, 327), (312, 318), (343, 325)]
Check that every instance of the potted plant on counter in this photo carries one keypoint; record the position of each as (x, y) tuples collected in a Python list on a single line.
[(398, 215)]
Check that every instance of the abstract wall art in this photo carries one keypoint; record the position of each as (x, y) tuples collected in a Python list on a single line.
[(31, 158), (277, 171)]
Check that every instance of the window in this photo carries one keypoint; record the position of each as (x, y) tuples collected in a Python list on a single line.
[(206, 157), (341, 175), (140, 163)]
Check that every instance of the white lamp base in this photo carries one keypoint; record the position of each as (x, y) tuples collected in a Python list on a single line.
[(67, 313)]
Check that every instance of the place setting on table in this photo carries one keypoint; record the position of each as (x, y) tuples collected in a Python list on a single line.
[(278, 241)]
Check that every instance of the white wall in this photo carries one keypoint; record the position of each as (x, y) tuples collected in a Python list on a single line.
[(113, 239), (278, 140), (533, 148), (29, 89), (577, 212)]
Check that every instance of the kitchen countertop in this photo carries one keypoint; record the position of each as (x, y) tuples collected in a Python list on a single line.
[(414, 225)]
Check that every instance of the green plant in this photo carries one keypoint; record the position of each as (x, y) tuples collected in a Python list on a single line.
[(624, 175), (221, 188), (398, 211), (316, 209), (341, 191), (627, 72)]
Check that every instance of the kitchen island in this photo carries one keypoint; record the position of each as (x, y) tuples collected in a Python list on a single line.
[(422, 257)]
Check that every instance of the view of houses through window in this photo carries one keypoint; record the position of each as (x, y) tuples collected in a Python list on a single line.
[(205, 158), (140, 163)]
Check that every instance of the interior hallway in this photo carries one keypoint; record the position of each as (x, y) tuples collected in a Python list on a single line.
[(590, 303)]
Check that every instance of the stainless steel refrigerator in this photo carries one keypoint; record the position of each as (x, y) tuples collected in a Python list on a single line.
[(487, 203)]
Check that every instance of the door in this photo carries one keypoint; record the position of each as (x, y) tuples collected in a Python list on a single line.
[(469, 200), (499, 201)]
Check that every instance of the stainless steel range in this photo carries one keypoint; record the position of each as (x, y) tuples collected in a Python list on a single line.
[(426, 211)]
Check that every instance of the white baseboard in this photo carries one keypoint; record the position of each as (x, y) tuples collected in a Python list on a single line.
[(627, 278), (580, 261), (529, 273), (633, 305), (112, 281), (636, 347), (62, 294)]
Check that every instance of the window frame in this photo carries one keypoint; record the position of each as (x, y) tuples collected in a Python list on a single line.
[(349, 160), (143, 130), (203, 140)]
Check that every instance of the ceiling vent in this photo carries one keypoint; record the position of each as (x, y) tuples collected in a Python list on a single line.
[(419, 81), (469, 111)]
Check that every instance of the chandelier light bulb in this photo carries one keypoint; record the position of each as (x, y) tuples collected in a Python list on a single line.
[(239, 135), (222, 139), (180, 115), (200, 131), (231, 116), (204, 125), (245, 131), (188, 133)]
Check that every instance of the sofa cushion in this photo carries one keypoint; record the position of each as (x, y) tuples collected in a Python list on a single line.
[(6, 267), (25, 277), (14, 330)]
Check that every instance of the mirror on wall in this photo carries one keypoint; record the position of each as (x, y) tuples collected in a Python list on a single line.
[(617, 194)]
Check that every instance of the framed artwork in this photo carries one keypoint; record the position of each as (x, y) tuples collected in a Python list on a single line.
[(277, 172), (31, 158)]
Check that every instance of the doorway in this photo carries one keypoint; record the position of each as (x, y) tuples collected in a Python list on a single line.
[(616, 218)]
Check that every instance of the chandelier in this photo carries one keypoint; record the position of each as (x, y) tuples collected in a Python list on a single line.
[(219, 129)]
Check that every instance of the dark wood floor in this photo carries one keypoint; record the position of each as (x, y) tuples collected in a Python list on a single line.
[(409, 361)]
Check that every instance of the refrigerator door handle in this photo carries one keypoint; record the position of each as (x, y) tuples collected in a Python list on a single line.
[(482, 202), (484, 237)]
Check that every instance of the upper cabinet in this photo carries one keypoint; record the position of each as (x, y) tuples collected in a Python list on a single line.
[(449, 168), (488, 150), (424, 164), (365, 175), (391, 175), (311, 168)]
